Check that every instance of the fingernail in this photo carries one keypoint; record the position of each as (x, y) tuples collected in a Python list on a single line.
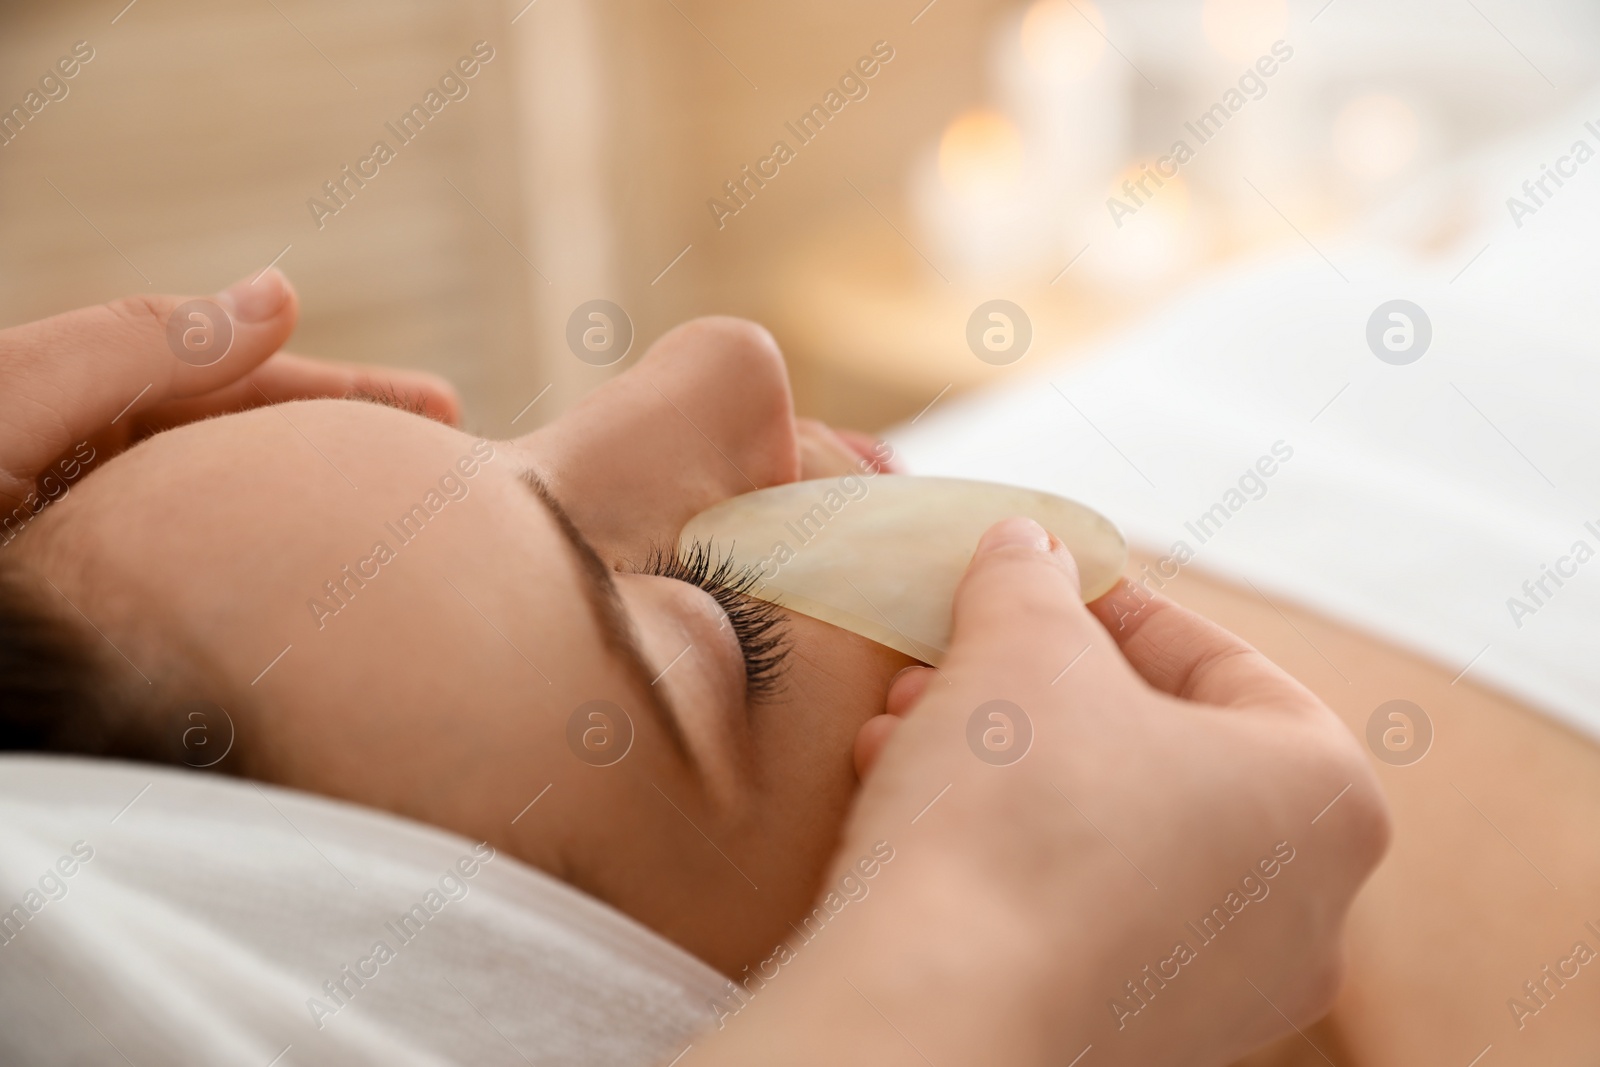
[(1012, 532), (256, 300), (904, 670)]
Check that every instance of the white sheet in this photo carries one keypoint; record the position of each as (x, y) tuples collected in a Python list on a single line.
[(211, 912), (1419, 498)]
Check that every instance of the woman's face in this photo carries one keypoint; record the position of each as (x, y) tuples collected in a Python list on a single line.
[(394, 612)]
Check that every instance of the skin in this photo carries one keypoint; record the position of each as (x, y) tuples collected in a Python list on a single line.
[(1457, 917), (1403, 926), (1023, 898), (442, 690), (1455, 920)]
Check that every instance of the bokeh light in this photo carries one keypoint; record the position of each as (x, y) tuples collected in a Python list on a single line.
[(980, 152), (1170, 199), (1063, 39), (1375, 136), (1156, 241), (1243, 30)]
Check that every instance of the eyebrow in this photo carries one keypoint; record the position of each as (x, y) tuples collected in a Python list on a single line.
[(605, 604), (387, 396)]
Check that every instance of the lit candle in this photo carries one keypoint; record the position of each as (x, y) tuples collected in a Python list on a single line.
[(1012, 186)]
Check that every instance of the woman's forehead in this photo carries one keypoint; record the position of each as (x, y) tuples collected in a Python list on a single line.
[(391, 592), (245, 504)]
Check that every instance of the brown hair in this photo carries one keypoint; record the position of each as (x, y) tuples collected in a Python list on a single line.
[(58, 690)]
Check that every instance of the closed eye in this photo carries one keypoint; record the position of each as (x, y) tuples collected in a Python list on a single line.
[(758, 625)]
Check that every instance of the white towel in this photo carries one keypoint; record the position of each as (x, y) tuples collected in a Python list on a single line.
[(210, 913), (1419, 499)]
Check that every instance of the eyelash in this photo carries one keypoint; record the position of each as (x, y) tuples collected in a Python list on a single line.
[(758, 624)]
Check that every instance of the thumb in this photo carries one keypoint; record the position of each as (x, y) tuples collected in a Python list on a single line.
[(1018, 614), (66, 378)]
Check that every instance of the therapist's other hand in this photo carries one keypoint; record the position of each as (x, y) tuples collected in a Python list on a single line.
[(107, 375)]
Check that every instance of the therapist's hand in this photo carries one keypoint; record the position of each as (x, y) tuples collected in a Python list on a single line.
[(108, 375), (1024, 897)]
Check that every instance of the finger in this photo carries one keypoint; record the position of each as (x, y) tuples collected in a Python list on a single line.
[(871, 740), (1018, 615), (823, 454), (66, 378), (906, 688), (287, 377), (1191, 657), (872, 451)]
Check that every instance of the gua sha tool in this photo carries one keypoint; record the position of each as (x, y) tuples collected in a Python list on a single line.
[(881, 556)]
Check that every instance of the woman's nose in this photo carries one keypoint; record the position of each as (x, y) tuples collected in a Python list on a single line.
[(706, 414)]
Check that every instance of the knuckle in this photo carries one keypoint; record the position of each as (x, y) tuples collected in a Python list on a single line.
[(1035, 603), (1364, 824), (1019, 583), (141, 312)]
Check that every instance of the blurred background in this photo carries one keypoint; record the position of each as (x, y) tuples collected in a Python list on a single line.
[(586, 158)]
